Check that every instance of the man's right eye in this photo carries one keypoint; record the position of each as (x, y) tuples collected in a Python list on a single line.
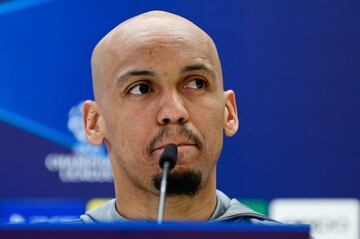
[(140, 89)]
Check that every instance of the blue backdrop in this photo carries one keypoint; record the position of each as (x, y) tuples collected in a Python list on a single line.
[(294, 66)]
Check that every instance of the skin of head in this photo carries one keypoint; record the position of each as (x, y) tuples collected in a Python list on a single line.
[(155, 76)]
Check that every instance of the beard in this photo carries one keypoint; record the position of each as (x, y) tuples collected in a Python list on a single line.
[(185, 183)]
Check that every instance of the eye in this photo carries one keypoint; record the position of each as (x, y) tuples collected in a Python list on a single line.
[(197, 83), (140, 89)]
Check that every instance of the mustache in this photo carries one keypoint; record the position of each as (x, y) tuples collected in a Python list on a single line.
[(167, 132)]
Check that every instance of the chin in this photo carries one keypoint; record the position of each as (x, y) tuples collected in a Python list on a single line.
[(186, 182)]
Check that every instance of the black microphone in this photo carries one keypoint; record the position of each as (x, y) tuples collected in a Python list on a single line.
[(167, 162)]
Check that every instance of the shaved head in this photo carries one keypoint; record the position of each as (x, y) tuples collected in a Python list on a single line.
[(157, 80), (155, 27)]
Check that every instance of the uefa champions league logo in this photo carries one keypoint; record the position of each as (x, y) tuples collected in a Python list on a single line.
[(87, 163)]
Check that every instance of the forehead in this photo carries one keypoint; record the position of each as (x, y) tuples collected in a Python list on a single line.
[(161, 48), (156, 39)]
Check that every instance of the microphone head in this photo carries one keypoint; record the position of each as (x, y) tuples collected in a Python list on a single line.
[(169, 155)]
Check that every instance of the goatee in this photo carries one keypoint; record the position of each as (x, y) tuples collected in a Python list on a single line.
[(184, 183)]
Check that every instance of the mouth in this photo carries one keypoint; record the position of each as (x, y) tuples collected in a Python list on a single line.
[(186, 151), (180, 146)]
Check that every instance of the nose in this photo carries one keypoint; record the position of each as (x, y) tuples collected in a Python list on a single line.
[(172, 110)]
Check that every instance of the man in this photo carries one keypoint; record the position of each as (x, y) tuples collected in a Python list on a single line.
[(157, 80)]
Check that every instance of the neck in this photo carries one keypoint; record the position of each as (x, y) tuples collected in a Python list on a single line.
[(135, 203)]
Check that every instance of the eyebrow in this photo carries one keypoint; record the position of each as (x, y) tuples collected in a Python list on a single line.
[(131, 73), (197, 67), (140, 72)]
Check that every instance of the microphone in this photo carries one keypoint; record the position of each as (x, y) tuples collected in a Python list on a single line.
[(167, 162)]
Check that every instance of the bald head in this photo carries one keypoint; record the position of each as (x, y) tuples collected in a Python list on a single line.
[(150, 29), (157, 80)]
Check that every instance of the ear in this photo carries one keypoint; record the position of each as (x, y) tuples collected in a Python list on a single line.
[(94, 127), (231, 121)]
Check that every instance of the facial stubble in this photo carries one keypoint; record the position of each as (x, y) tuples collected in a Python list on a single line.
[(179, 183)]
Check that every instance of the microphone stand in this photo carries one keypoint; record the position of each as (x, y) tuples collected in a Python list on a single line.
[(163, 186), (167, 162)]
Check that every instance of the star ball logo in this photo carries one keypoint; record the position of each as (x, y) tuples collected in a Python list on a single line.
[(87, 163)]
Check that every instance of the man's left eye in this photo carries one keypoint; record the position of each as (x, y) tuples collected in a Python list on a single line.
[(197, 83)]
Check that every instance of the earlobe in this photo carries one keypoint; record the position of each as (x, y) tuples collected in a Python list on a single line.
[(231, 121), (92, 122)]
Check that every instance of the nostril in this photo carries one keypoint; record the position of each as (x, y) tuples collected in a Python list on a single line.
[(181, 120), (166, 120)]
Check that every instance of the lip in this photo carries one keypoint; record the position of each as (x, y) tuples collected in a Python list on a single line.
[(178, 145), (183, 148)]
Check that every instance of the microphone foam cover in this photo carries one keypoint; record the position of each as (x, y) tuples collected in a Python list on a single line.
[(169, 155)]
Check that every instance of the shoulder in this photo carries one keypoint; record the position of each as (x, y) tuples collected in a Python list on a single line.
[(238, 212), (104, 213)]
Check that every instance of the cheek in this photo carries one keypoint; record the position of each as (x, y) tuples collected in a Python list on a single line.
[(127, 138), (128, 134), (213, 115), (210, 123), (216, 131)]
